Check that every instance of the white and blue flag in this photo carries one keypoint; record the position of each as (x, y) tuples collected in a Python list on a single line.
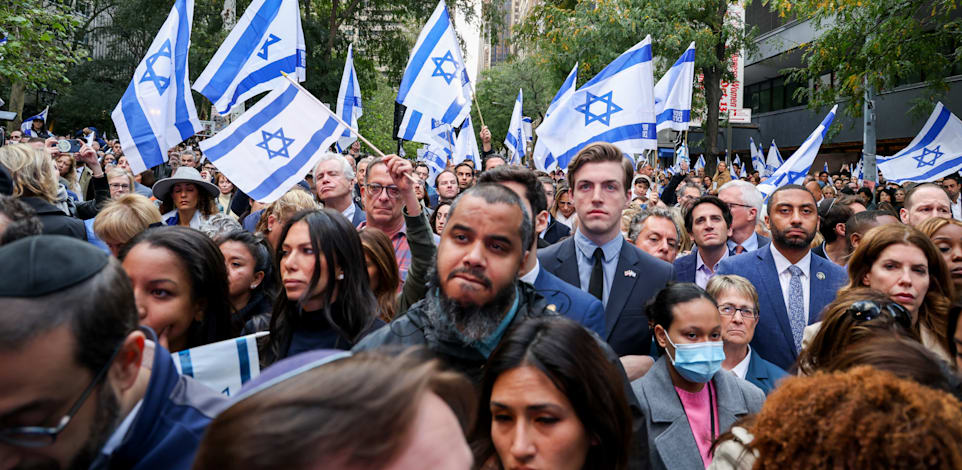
[(266, 41), (774, 160), (526, 125), (858, 172), (935, 152), (466, 146), (794, 169), (435, 83), (700, 164), (349, 100), (224, 366), (742, 173), (758, 161), (515, 139), (543, 159), (681, 155), (25, 126), (157, 110), (616, 106), (275, 143), (436, 157), (673, 93)]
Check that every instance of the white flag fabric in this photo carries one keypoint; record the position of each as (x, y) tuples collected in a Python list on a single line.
[(543, 159), (681, 155), (224, 366), (266, 41), (275, 143), (27, 124), (436, 157), (673, 93), (435, 83), (515, 139), (758, 161), (935, 152), (700, 164), (157, 110), (526, 125), (774, 160), (466, 147), (616, 106), (742, 173), (794, 169), (349, 100)]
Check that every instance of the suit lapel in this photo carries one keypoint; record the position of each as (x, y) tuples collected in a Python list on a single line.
[(774, 293), (676, 443), (820, 293), (568, 263), (621, 286)]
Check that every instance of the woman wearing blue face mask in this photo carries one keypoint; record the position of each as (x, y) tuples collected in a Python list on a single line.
[(686, 397)]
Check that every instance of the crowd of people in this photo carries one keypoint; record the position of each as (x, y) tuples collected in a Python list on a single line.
[(604, 316)]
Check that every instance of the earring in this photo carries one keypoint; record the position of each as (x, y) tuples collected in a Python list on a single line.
[(340, 276)]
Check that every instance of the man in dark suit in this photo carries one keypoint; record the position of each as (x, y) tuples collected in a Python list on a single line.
[(745, 203), (334, 183), (567, 299), (793, 285), (709, 223), (599, 260)]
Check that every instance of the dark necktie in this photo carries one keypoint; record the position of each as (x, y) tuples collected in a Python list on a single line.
[(596, 286)]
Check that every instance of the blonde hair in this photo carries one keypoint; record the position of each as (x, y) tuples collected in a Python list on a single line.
[(125, 217), (731, 282), (293, 201), (32, 170), (71, 177), (116, 172)]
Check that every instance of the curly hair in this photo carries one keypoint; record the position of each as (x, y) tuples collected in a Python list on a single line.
[(862, 418)]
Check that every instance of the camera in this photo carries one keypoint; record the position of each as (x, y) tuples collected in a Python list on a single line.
[(69, 145)]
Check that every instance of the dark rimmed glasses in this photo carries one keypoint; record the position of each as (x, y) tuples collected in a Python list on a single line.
[(40, 436), (393, 191), (867, 310), (730, 310)]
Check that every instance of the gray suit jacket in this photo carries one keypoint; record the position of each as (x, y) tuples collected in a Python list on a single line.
[(671, 444)]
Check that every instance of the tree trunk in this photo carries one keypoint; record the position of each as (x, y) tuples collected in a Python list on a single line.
[(712, 85), (332, 30), (17, 92)]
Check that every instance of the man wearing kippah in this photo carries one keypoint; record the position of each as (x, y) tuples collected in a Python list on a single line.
[(81, 386)]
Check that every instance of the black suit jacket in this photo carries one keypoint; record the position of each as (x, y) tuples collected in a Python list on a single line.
[(555, 231), (637, 278)]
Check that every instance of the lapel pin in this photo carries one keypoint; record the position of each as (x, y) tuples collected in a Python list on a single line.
[(630, 273), (820, 275)]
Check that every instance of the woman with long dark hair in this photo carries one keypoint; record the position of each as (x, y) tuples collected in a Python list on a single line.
[(326, 301), (252, 278), (180, 285), (580, 417)]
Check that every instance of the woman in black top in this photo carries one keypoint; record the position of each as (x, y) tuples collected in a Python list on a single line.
[(326, 301)]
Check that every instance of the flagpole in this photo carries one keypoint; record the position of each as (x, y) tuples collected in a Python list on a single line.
[(478, 107), (341, 121)]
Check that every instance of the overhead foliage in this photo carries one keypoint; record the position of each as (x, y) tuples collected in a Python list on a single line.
[(37, 51)]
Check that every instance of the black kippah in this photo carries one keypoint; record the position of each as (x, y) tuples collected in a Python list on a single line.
[(43, 264)]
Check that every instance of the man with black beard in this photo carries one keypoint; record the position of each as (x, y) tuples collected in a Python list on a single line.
[(474, 296), (793, 286), (80, 385)]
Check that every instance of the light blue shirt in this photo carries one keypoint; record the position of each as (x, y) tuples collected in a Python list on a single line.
[(750, 243), (585, 255)]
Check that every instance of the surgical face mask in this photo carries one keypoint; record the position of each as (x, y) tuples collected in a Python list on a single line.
[(697, 362)]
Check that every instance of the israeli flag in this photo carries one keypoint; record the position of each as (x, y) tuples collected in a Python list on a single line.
[(224, 366), (794, 169), (466, 146), (774, 160), (275, 143), (436, 157), (157, 111), (825, 167), (515, 140), (543, 159), (681, 155), (435, 83), (935, 152), (415, 127), (27, 124), (742, 173), (349, 100), (266, 41), (758, 161), (526, 126), (858, 172), (616, 106), (700, 164), (673, 93)]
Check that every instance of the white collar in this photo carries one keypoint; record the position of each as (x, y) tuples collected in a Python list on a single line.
[(782, 263), (532, 275), (741, 369), (349, 212)]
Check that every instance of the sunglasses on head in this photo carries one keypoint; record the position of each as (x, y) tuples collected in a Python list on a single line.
[(867, 310)]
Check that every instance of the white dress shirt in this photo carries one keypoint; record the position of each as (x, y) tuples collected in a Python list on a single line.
[(704, 273), (741, 369), (785, 277), (956, 208), (349, 212), (532, 275)]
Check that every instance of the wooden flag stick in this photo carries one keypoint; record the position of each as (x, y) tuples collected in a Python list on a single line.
[(341, 121), (478, 106)]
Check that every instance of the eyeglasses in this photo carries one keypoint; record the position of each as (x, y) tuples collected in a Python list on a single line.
[(393, 191), (732, 205), (867, 310), (730, 310), (39, 436), (119, 186)]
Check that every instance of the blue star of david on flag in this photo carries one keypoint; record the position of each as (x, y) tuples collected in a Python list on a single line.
[(605, 117), (279, 135), (150, 75), (270, 41), (925, 151), (439, 67)]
